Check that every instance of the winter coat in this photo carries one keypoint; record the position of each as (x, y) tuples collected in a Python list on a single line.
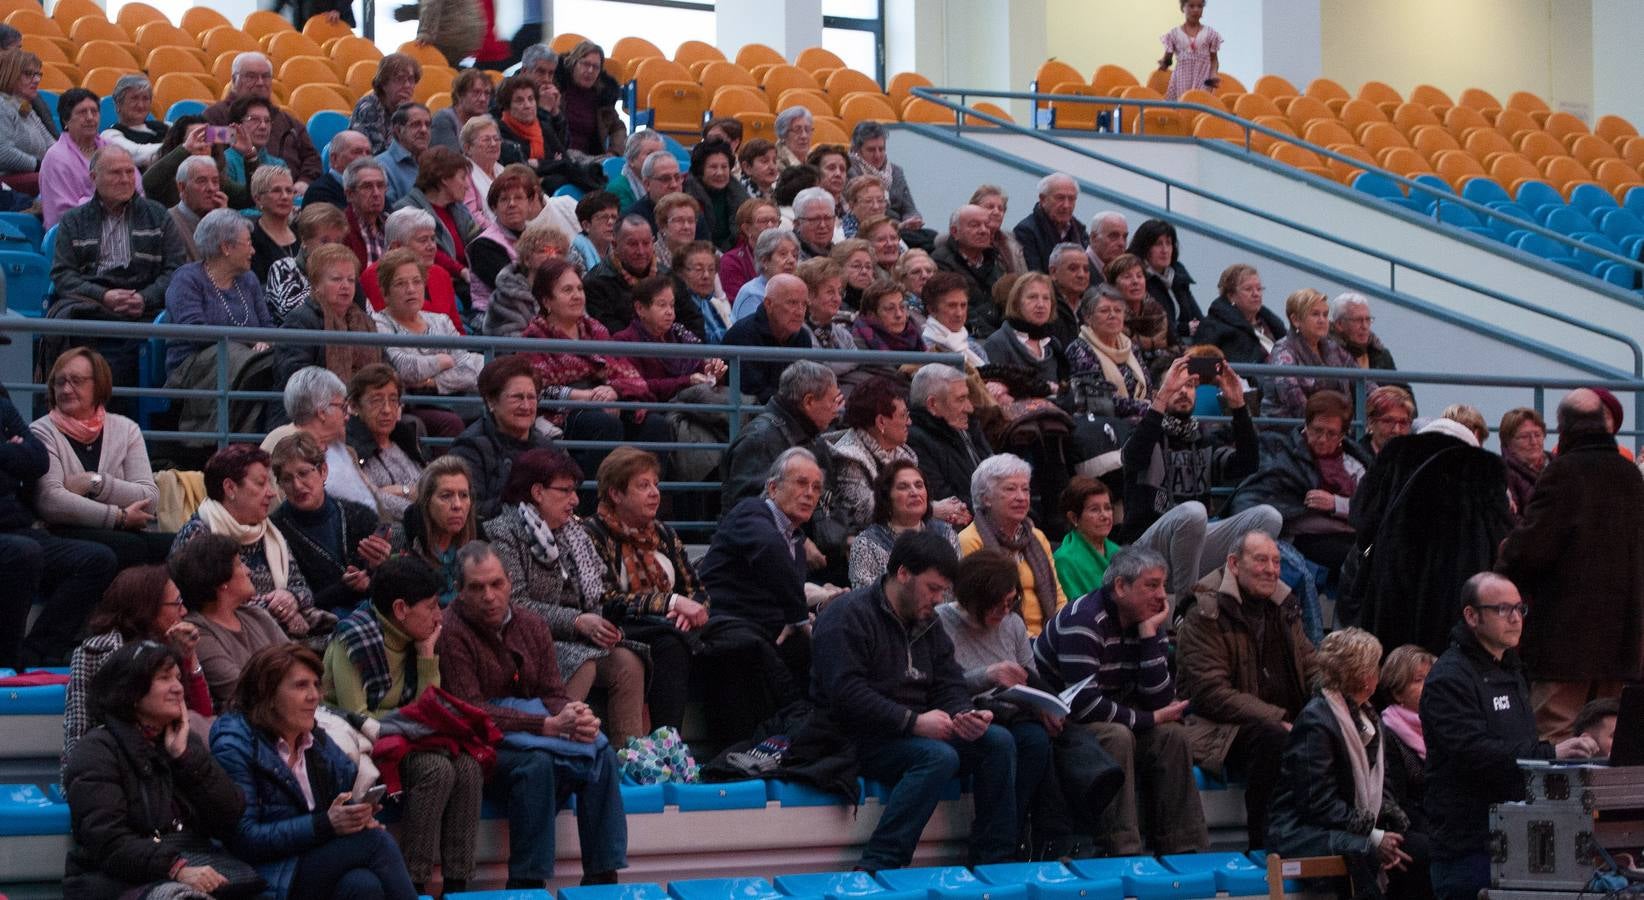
[(1313, 812), (364, 446), (1160, 473), (1421, 533), (443, 238), (157, 252), (320, 565), (277, 826), (947, 457), (1217, 670), (555, 139), (1407, 780), (1577, 558), (1226, 328), (983, 317), (1038, 236), (610, 134), (748, 459), (735, 196), (759, 377), (123, 790), (513, 306), (1179, 306), (1288, 472), (22, 463), (1286, 395), (490, 456), (755, 572), (1478, 723)]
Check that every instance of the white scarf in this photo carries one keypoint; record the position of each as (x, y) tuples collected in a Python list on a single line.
[(1105, 354), (275, 550), (1367, 775), (940, 337)]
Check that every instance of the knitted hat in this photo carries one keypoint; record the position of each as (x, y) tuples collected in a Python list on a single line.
[(1613, 405)]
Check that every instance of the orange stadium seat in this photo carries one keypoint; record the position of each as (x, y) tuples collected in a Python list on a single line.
[(815, 101), (697, 51), (757, 125), (829, 130), (843, 82), (1560, 124), (1430, 139), (919, 110), (632, 48), (758, 54), (654, 69), (299, 70), (1613, 129), (677, 107), (1407, 117), (262, 22), (1431, 97), (1263, 143), (1110, 78), (1356, 114), (133, 16), (198, 20), (308, 99), (1325, 132), (1404, 161), (321, 29), (1538, 145), (106, 53), (565, 42), (1053, 72), (1298, 157), (1457, 119), (735, 98), (1588, 149), (66, 12), (902, 84), (222, 39), (1075, 114), (1209, 127), (813, 58), (863, 106), (422, 53), (781, 78)]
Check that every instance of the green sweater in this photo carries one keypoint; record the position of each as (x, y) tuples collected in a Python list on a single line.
[(344, 690), (1081, 566)]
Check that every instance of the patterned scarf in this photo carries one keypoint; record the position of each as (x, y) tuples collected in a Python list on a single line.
[(539, 529), (1120, 367), (884, 175), (1181, 429), (360, 634), (874, 336), (1025, 545), (639, 547), (81, 431)]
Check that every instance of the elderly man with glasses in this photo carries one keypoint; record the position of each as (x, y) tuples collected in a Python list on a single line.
[(253, 75)]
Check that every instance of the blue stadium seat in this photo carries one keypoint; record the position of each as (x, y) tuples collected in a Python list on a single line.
[(1597, 241), (1533, 195), (643, 798), (724, 889), (1428, 200), (1234, 874), (638, 891), (324, 125), (1145, 879), (613, 167), (1589, 198), (569, 190), (793, 793), (26, 809), (106, 116), (1378, 185), (1205, 782), (840, 884), (42, 700), (1051, 881), (1545, 247), (1484, 191), (28, 281), (49, 98), (185, 108), (1618, 275), (1634, 201), (729, 795), (678, 150), (1501, 226), (1259, 857), (1463, 218), (1619, 224), (1564, 220), (29, 225), (935, 878), (501, 895)]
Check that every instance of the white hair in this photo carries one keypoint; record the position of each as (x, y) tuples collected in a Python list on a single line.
[(1106, 215), (809, 197), (779, 469), (217, 228), (185, 169), (248, 56), (990, 472), (930, 378), (653, 160), (310, 390), (403, 223), (1344, 303), (1049, 181), (1063, 249)]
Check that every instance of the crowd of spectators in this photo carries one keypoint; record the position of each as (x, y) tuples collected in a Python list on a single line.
[(894, 543)]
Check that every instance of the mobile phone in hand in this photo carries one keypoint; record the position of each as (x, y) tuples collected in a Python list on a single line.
[(371, 797), (1207, 368), (219, 134)]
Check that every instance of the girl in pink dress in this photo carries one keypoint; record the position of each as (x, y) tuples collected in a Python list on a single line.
[(1193, 45)]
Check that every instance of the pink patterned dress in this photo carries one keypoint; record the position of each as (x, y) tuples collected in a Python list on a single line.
[(1192, 58)]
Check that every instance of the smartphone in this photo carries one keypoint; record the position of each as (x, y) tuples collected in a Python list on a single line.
[(371, 797), (1208, 368), (384, 530), (219, 134)]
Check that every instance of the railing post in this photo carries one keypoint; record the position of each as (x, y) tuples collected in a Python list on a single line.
[(734, 386), (223, 428)]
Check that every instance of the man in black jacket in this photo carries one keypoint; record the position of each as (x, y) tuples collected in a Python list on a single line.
[(1051, 222), (1170, 466), (345, 147), (778, 322), (72, 573), (885, 672), (948, 439), (969, 251), (1477, 722)]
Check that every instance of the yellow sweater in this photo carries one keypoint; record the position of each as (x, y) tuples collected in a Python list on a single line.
[(970, 541)]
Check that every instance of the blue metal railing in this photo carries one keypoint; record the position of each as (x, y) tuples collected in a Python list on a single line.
[(964, 112)]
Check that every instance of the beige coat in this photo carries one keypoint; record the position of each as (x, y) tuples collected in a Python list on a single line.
[(127, 476)]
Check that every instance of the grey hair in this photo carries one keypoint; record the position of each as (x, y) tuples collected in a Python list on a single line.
[(128, 83), (402, 113), (1106, 214), (637, 142), (217, 228), (809, 197), (1050, 180), (339, 141), (1344, 302), (804, 378), (652, 160), (260, 179), (310, 389), (990, 472), (866, 130), (1093, 299), (537, 53), (953, 218), (1242, 542), (475, 551), (1129, 564), (769, 240), (104, 152), (779, 468), (785, 119), (1062, 249), (930, 378), (243, 58), (351, 175), (403, 223), (631, 220), (185, 169)]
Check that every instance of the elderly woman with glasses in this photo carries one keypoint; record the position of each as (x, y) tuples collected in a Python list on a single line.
[(402, 277), (1309, 343), (794, 129), (694, 268), (395, 83), (513, 306), (588, 102), (27, 130), (65, 170), (1332, 797), (1388, 413), (333, 272), (384, 441), (272, 239), (1001, 498), (737, 266), (1523, 435), (314, 400), (416, 230), (1310, 477), (481, 139), (333, 540), (99, 485), (508, 428), (134, 129), (868, 158)]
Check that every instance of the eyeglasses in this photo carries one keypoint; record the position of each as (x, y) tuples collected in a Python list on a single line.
[(1505, 610), (559, 488), (1323, 434), (32, 74), (830, 219), (517, 399), (379, 404), (75, 381), (1359, 320)]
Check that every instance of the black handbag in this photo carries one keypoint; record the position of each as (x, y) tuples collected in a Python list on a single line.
[(239, 878)]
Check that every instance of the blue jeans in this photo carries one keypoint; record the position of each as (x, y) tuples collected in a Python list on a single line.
[(1460, 878), (540, 781), (365, 865), (920, 768)]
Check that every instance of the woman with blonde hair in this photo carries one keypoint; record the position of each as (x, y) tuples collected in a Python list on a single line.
[(513, 306), (442, 520), (1308, 344), (1025, 339), (1332, 798)]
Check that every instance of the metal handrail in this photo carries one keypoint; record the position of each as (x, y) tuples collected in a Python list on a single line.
[(1391, 291), (931, 94)]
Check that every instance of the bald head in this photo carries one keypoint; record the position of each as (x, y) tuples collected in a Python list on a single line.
[(969, 228), (785, 302), (1581, 410)]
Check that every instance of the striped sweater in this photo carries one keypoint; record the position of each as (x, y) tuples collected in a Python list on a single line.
[(1132, 673)]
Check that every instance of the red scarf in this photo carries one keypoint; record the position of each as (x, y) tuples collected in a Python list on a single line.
[(81, 431), (531, 131)]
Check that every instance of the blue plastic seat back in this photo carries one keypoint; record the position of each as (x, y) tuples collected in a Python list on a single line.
[(106, 115), (678, 150), (1234, 873), (1620, 276), (324, 125), (26, 809), (726, 795), (1620, 224), (935, 878), (568, 190), (613, 167), (1590, 198), (29, 225), (1456, 214), (1634, 201), (794, 793), (185, 108), (1025, 873), (1145, 878), (830, 884), (1483, 191), (1535, 194), (1564, 220), (1428, 199), (1540, 245), (1378, 185), (636, 891), (724, 889), (49, 98), (28, 281)]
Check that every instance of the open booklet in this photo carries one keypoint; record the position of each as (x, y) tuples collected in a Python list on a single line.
[(1056, 704)]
